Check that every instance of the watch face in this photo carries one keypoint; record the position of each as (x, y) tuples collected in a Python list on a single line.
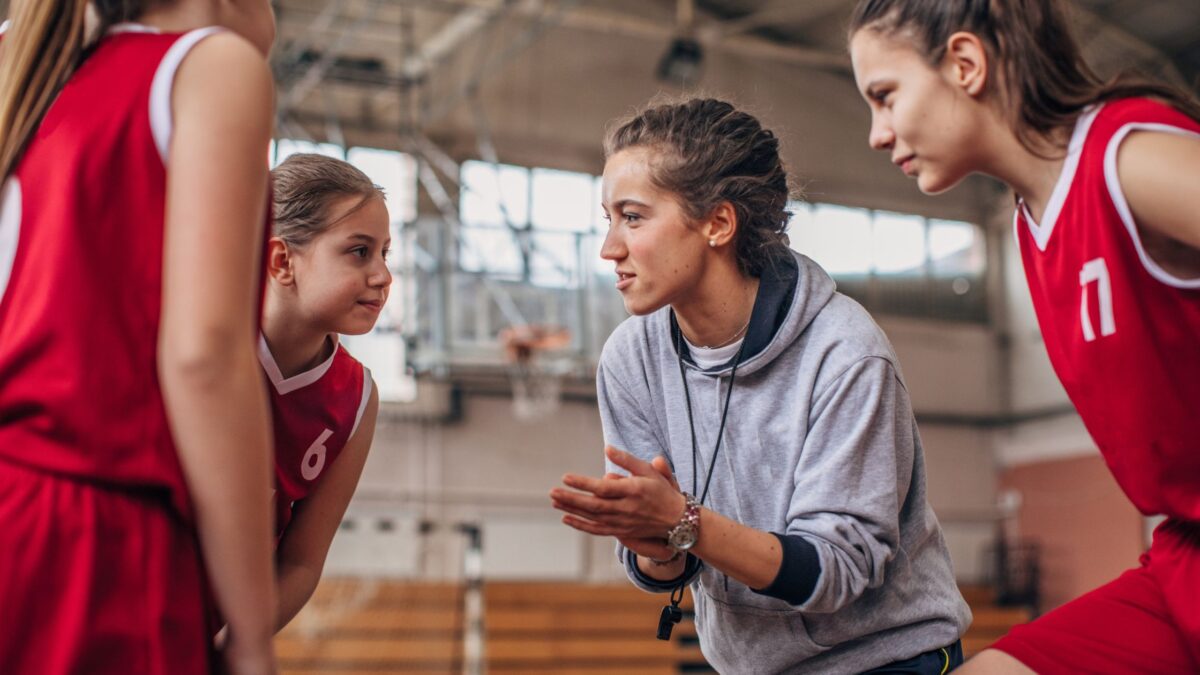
[(682, 537)]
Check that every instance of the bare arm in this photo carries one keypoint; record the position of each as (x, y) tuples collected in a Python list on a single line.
[(1159, 174), (212, 388), (306, 542), (751, 556)]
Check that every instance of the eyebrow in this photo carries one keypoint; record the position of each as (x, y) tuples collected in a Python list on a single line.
[(629, 202), (869, 90), (358, 236)]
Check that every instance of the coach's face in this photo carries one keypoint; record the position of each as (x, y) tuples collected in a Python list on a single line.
[(658, 255)]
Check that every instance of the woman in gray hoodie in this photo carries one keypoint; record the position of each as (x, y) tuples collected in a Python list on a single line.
[(775, 402)]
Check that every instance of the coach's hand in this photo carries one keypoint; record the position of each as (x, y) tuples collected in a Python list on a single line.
[(637, 509)]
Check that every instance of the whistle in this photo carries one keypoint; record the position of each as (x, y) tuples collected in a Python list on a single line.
[(671, 615)]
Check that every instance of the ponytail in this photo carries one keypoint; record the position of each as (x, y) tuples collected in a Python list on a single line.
[(39, 52)]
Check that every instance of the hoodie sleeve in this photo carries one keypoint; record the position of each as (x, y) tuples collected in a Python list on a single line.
[(623, 418), (854, 472)]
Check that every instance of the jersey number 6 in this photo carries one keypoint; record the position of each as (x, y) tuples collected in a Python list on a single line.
[(314, 457)]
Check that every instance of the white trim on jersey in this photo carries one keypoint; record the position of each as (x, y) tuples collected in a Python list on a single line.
[(10, 228), (161, 124), (1041, 233), (366, 397), (288, 385), (130, 27), (1118, 197)]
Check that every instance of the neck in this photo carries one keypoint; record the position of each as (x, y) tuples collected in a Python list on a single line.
[(1031, 176), (177, 17), (719, 309), (294, 349)]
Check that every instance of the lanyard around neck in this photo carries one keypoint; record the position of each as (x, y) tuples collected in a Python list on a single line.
[(687, 397)]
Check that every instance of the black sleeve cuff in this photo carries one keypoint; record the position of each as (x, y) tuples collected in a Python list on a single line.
[(798, 572), (690, 567)]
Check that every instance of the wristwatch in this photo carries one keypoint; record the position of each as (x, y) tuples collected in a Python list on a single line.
[(683, 536)]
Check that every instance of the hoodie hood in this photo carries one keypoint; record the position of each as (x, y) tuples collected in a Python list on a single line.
[(791, 293)]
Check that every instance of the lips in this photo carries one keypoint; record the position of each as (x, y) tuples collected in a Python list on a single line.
[(624, 280), (906, 164), (373, 305)]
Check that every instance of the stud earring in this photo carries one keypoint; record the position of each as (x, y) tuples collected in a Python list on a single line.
[(712, 243)]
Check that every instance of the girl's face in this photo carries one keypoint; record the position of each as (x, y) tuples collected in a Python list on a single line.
[(921, 115), (341, 276), (657, 252)]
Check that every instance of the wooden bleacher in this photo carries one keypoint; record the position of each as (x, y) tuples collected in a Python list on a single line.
[(355, 626)]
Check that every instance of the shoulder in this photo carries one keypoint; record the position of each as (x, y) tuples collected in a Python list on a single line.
[(352, 372), (1136, 110), (1114, 121), (844, 334), (847, 327), (368, 408), (220, 60), (217, 46), (630, 343)]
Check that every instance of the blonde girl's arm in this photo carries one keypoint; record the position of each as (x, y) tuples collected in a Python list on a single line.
[(315, 520), (213, 391), (1159, 173)]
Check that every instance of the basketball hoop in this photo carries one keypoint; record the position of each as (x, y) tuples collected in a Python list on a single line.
[(537, 385)]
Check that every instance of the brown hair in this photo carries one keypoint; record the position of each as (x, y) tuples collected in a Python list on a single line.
[(43, 47), (304, 186), (710, 152), (1047, 82)]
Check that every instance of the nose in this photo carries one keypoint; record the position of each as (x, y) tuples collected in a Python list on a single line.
[(881, 137), (380, 276), (614, 245)]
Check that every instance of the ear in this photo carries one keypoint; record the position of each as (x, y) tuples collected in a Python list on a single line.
[(966, 62), (279, 262), (721, 226)]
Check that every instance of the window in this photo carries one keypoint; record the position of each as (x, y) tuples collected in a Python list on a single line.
[(492, 201), (838, 238), (562, 200), (396, 173), (530, 225), (896, 263), (955, 249), (384, 354), (898, 244), (494, 195)]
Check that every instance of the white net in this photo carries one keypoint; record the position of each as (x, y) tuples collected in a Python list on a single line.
[(536, 377), (536, 393)]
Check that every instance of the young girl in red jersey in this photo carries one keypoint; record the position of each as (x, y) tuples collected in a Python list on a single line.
[(328, 275), (134, 441), (1105, 176)]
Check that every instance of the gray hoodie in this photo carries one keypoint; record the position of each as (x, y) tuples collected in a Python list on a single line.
[(820, 443)]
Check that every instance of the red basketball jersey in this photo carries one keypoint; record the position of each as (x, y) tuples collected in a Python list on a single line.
[(81, 249), (316, 413), (1122, 333)]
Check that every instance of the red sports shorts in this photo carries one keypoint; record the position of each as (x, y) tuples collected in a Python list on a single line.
[(1146, 621), (96, 580)]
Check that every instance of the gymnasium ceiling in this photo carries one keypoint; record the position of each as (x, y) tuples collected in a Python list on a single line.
[(423, 47), (536, 81)]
